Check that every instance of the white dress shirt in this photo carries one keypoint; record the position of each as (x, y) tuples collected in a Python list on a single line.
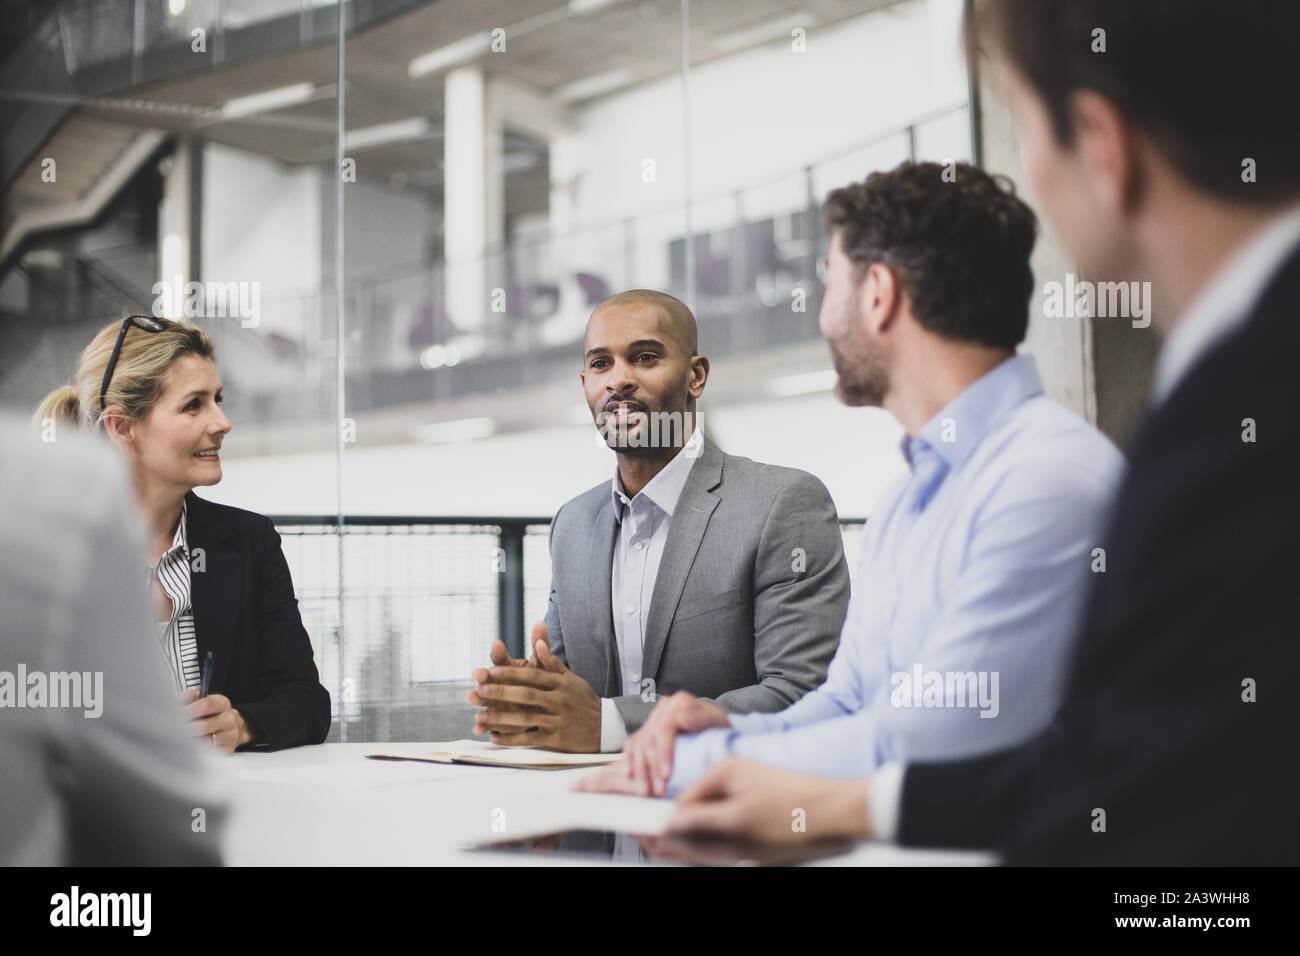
[(1219, 310), (643, 523)]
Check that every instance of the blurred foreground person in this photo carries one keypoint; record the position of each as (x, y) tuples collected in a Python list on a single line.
[(98, 765)]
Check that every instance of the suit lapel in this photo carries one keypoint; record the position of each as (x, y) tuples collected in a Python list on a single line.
[(685, 533), (599, 612), (215, 574), (1164, 433)]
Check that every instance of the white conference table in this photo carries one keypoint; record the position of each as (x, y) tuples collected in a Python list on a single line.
[(329, 805)]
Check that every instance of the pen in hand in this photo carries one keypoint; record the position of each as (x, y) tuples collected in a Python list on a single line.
[(206, 681)]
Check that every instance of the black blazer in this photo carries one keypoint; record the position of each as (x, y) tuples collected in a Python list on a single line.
[(245, 612), (1199, 599)]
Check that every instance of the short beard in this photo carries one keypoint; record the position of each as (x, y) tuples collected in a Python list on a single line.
[(863, 379), (657, 437)]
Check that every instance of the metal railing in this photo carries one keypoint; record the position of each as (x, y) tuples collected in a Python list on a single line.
[(424, 598)]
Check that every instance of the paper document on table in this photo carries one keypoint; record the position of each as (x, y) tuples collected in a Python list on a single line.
[(493, 755)]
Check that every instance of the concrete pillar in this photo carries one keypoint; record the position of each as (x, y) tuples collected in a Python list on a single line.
[(177, 215), (465, 197), (1100, 367)]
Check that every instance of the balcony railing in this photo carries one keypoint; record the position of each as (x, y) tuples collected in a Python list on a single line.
[(423, 598)]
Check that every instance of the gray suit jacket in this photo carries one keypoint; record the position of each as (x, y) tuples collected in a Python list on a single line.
[(749, 600)]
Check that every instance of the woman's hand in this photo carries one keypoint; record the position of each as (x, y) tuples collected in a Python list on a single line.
[(213, 717)]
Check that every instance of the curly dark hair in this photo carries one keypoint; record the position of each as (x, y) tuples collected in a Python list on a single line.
[(959, 246)]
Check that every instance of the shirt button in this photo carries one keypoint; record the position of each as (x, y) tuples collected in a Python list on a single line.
[(639, 545), (631, 609), (636, 678)]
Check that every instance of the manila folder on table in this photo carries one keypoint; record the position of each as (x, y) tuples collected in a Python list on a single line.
[(492, 755)]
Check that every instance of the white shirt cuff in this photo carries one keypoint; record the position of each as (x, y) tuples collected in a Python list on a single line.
[(884, 794), (613, 732)]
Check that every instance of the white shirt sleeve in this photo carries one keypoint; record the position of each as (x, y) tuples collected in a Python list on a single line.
[(884, 794), (613, 732)]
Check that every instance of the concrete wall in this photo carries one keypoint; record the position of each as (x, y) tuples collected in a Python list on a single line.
[(1100, 367)]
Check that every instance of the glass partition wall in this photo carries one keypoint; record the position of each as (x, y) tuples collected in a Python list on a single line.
[(394, 219)]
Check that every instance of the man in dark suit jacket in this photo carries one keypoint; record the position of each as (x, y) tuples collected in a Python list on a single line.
[(1176, 740), (690, 570)]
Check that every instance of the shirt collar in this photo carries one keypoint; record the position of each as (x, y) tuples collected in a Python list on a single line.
[(954, 432), (665, 488), (1226, 301), (181, 539)]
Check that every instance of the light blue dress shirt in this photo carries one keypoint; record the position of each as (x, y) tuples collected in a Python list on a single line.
[(973, 570)]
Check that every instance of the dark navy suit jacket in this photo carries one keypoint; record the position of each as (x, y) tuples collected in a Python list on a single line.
[(1178, 729), (245, 612)]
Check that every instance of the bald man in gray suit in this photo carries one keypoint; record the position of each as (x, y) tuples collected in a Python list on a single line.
[(690, 570)]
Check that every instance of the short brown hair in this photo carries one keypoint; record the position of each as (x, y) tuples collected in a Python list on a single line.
[(1208, 81)]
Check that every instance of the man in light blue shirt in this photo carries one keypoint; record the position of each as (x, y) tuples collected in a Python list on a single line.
[(974, 565), (973, 569)]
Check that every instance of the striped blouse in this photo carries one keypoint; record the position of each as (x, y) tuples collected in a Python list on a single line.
[(177, 636)]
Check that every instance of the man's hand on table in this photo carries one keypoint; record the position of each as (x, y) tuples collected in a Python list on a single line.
[(500, 658), (747, 800), (536, 703), (647, 762)]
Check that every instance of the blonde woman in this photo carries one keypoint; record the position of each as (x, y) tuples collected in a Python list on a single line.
[(223, 600)]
